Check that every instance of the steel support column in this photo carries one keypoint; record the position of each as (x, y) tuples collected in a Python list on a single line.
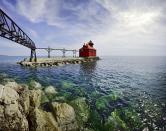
[(33, 56), (63, 51)]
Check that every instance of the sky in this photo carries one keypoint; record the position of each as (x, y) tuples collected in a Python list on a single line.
[(117, 27)]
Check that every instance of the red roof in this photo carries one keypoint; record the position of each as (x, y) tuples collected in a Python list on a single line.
[(88, 46)]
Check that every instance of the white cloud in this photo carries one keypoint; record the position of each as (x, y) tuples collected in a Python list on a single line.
[(33, 33), (130, 27), (40, 11)]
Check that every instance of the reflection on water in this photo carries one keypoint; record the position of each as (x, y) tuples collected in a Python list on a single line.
[(130, 91)]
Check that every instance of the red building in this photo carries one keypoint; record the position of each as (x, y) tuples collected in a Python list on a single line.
[(87, 50)]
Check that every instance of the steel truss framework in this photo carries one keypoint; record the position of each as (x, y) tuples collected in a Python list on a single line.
[(10, 30)]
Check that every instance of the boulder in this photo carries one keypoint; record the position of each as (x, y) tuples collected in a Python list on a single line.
[(35, 98), (35, 85), (114, 122), (11, 112), (14, 85), (82, 110), (25, 101), (42, 121), (65, 116), (104, 101), (50, 90)]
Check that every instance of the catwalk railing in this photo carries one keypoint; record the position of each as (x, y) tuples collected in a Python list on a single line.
[(63, 51)]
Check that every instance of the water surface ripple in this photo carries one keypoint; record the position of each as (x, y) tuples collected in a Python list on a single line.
[(138, 82)]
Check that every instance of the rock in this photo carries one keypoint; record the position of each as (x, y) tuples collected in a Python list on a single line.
[(67, 84), (42, 121), (25, 101), (59, 64), (60, 99), (35, 97), (114, 122), (96, 120), (14, 85), (50, 90), (11, 116), (44, 98), (65, 116), (82, 110), (35, 85), (146, 129), (103, 101)]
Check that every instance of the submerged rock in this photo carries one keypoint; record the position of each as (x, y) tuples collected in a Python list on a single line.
[(114, 123), (82, 110), (96, 120), (50, 90), (103, 101), (65, 116), (35, 85), (67, 84)]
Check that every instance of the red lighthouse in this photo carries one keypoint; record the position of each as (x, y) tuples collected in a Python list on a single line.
[(87, 50)]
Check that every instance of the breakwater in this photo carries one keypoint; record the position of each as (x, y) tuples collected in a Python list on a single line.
[(56, 61)]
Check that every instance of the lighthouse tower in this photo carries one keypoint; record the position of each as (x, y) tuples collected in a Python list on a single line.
[(87, 50)]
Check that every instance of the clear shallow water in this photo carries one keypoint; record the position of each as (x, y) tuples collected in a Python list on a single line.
[(133, 88)]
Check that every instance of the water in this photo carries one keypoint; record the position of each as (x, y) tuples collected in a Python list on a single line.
[(132, 88)]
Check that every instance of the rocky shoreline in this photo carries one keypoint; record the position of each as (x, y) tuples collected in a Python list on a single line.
[(48, 62), (25, 108), (34, 107)]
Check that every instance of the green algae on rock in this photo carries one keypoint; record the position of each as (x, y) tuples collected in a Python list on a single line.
[(95, 120), (65, 116), (67, 84), (50, 92), (34, 85), (82, 110), (104, 101), (114, 122)]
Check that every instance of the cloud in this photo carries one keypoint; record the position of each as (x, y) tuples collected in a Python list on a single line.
[(40, 11), (118, 27), (33, 33)]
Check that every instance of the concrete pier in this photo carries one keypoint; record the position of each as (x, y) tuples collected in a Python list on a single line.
[(57, 61)]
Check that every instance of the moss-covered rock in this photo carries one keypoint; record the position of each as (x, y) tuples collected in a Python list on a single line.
[(114, 122), (131, 117), (50, 92), (123, 119), (34, 85), (44, 98), (65, 116), (82, 110), (96, 120), (95, 94), (103, 101), (67, 84)]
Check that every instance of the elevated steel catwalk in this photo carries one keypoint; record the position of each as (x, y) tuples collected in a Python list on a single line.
[(63, 51), (10, 30)]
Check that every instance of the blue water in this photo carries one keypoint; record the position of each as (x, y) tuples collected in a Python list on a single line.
[(138, 82)]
